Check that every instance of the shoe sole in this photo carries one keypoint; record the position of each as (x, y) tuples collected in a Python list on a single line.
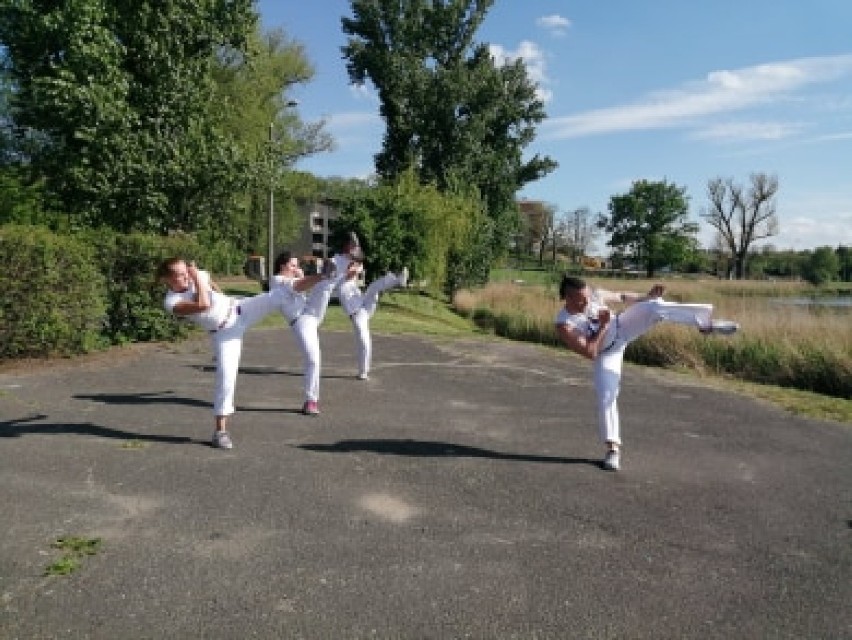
[(722, 328)]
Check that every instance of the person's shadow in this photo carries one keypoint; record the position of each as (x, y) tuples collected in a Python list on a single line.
[(432, 449), (261, 370), (32, 425), (167, 397), (153, 397)]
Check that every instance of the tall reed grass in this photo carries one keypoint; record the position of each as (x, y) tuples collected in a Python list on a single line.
[(802, 347)]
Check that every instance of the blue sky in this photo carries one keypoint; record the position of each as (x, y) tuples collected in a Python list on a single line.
[(674, 90)]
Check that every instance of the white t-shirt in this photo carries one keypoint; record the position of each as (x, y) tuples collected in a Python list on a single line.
[(220, 304), (292, 302), (350, 296), (586, 322)]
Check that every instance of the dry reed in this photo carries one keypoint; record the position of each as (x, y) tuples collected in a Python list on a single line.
[(803, 347)]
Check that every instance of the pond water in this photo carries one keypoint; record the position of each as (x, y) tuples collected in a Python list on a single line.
[(836, 301)]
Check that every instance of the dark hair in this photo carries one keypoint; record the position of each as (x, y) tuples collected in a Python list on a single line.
[(570, 282), (283, 258), (166, 267)]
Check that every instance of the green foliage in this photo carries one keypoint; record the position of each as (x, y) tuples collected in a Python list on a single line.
[(817, 368), (470, 264), (53, 294), (252, 90), (69, 294), (649, 224), (134, 309), (22, 202), (452, 113), (822, 266), (123, 95), (75, 549), (403, 223)]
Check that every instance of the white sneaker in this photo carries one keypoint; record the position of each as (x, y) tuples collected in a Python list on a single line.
[(221, 440), (402, 278), (722, 327), (363, 376), (612, 460)]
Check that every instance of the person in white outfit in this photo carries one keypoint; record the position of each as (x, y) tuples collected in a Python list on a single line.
[(587, 326), (360, 307), (193, 295), (304, 304)]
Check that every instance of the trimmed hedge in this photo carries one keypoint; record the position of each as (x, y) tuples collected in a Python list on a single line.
[(53, 294), (70, 294), (134, 301)]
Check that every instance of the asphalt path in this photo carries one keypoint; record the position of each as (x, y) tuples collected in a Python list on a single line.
[(456, 494)]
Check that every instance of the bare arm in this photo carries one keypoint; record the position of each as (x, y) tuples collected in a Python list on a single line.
[(202, 295), (580, 344)]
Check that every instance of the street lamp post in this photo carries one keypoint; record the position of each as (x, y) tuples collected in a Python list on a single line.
[(270, 250), (270, 253)]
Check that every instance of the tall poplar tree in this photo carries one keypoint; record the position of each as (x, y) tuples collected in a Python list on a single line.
[(451, 112)]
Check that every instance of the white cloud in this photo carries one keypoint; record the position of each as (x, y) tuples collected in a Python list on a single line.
[(363, 92), (845, 135), (745, 131), (555, 24), (807, 232), (533, 59), (720, 92)]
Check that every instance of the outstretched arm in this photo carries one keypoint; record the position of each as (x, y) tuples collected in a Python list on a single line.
[(202, 294)]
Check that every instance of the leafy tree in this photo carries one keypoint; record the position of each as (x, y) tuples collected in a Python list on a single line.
[(649, 224), (261, 120), (451, 113), (844, 257), (124, 95), (742, 216), (404, 223), (822, 266)]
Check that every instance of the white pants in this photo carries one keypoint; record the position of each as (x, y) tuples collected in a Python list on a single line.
[(361, 308), (306, 329), (227, 346), (626, 327)]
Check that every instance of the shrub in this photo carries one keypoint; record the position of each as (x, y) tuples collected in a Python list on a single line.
[(134, 311), (53, 294)]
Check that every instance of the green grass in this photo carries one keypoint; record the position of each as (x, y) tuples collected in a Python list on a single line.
[(399, 312), (133, 445), (542, 277), (75, 549)]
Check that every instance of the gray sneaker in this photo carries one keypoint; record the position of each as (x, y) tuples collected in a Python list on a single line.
[(612, 460), (221, 440)]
